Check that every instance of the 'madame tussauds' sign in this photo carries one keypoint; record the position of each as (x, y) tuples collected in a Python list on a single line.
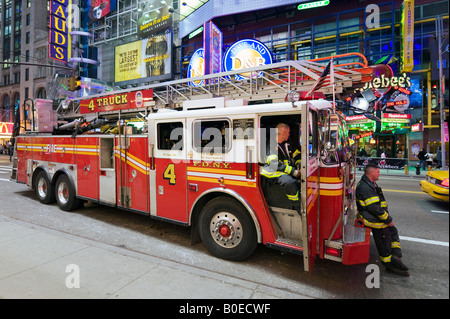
[(59, 29)]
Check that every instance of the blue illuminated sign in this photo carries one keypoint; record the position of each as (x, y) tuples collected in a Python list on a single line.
[(197, 67), (244, 54)]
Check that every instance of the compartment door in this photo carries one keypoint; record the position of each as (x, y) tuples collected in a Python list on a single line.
[(107, 173)]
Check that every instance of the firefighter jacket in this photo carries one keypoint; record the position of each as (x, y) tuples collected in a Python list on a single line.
[(372, 206), (282, 162)]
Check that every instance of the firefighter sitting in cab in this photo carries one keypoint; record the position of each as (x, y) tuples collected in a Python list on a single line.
[(281, 169)]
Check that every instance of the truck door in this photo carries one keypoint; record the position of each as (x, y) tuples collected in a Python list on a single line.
[(309, 185), (132, 171), (86, 150), (107, 174), (168, 196)]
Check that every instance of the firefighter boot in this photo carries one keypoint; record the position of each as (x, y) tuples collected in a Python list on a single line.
[(393, 268), (397, 262)]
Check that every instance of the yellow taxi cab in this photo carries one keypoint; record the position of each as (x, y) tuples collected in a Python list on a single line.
[(436, 184)]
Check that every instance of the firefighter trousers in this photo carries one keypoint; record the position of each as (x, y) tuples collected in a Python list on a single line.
[(387, 242), (291, 187)]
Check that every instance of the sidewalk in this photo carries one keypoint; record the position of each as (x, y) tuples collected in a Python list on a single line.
[(411, 172), (41, 263)]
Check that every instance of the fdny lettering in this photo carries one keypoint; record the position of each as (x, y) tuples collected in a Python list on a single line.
[(211, 164), (109, 101)]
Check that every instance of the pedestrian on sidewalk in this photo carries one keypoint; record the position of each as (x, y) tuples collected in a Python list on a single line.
[(429, 159), (422, 158), (373, 210)]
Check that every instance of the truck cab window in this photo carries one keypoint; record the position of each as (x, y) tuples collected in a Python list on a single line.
[(212, 136), (313, 135), (170, 136)]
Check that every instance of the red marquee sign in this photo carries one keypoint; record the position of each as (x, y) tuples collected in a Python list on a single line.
[(397, 116), (6, 128), (115, 102)]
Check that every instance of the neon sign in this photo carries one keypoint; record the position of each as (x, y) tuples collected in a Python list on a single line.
[(386, 82), (6, 128), (59, 38), (315, 4), (212, 46)]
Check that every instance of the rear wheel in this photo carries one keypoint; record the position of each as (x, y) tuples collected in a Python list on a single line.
[(227, 230), (44, 188), (65, 194)]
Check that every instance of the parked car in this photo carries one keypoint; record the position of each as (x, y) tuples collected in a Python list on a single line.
[(436, 184)]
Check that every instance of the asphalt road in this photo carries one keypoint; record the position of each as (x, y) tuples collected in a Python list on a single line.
[(423, 224)]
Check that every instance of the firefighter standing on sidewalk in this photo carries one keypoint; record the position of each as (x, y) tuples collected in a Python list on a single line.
[(281, 165), (373, 210)]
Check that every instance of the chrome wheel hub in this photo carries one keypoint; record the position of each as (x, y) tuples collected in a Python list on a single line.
[(226, 229), (63, 193), (42, 188)]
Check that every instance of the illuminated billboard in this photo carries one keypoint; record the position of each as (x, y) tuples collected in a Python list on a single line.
[(154, 18), (149, 59), (100, 8)]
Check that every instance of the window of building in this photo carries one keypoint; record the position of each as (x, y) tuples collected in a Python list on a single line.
[(6, 79), (434, 9), (41, 93), (7, 29)]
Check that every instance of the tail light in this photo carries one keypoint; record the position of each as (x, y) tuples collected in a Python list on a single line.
[(445, 182), (335, 252)]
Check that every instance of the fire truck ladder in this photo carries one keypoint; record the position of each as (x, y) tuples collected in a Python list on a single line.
[(268, 82)]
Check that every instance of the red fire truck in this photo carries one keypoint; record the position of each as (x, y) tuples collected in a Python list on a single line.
[(192, 155)]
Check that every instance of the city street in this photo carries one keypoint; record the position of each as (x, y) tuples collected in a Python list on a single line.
[(423, 223)]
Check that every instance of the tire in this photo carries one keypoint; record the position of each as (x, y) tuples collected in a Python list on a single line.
[(65, 194), (227, 229), (44, 188)]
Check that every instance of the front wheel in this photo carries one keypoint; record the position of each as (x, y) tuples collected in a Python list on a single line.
[(227, 229), (65, 194)]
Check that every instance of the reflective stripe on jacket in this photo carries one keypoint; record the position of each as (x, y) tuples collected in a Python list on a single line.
[(281, 163), (275, 168), (372, 206)]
